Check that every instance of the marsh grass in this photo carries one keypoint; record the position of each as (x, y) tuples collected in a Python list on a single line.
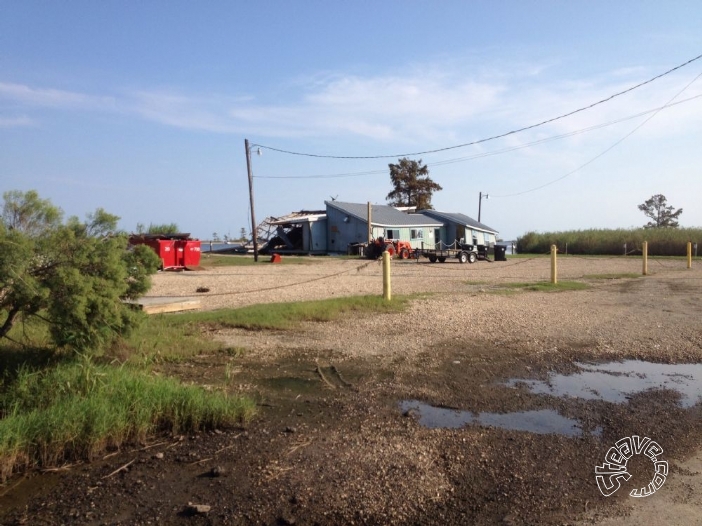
[(661, 241), (77, 410), (57, 408)]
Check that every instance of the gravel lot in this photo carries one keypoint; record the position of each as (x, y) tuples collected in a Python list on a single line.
[(463, 301)]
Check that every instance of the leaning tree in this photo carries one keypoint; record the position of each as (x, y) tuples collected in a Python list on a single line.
[(74, 276)]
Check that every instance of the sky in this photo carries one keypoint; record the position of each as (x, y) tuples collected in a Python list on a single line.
[(142, 108)]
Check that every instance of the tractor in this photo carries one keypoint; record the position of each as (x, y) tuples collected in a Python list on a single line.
[(395, 247)]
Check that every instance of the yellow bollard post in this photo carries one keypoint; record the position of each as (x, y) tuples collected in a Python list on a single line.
[(387, 292), (645, 258), (554, 265), (689, 254)]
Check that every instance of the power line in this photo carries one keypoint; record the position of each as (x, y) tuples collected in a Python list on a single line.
[(617, 143), (547, 121), (490, 153)]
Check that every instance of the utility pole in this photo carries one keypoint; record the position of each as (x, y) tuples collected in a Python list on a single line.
[(480, 203), (251, 199)]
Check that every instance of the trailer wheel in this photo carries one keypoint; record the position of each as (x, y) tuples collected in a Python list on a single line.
[(404, 254), (442, 260), (462, 257), (471, 257), (432, 259)]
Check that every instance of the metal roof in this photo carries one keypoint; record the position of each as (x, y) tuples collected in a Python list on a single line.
[(383, 215), (461, 219), (303, 216)]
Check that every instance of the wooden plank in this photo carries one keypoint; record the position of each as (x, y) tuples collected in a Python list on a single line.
[(163, 305), (171, 307)]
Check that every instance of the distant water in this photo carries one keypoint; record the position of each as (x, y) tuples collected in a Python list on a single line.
[(511, 246), (218, 247)]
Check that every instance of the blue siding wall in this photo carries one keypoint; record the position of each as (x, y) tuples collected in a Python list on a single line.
[(344, 230)]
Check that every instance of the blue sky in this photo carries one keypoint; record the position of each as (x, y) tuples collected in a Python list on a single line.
[(142, 108)]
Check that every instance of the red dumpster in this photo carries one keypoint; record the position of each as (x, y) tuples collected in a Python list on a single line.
[(191, 252), (164, 248), (177, 251), (166, 251)]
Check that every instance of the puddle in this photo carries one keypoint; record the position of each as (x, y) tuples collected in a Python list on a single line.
[(542, 421), (618, 381)]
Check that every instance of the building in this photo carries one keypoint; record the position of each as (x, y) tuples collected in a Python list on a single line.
[(303, 232), (461, 227), (347, 224), (342, 225)]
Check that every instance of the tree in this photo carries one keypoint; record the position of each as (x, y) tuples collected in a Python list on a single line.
[(661, 214), (165, 229), (71, 275), (412, 184)]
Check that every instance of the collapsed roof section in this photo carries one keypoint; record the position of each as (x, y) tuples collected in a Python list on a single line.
[(290, 233)]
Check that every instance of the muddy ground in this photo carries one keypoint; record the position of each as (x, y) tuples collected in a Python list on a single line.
[(341, 437)]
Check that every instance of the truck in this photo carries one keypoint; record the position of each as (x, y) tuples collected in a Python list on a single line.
[(461, 251)]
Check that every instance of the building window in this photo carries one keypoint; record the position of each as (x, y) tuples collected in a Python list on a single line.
[(392, 234), (416, 234)]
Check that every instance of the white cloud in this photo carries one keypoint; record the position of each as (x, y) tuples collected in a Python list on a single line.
[(16, 122), (53, 98), (172, 109), (437, 105)]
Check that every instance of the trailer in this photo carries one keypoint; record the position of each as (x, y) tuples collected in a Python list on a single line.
[(461, 251)]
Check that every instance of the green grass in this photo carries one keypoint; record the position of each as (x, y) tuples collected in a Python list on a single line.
[(77, 410), (241, 260), (282, 316), (621, 275), (177, 337), (55, 409), (547, 286)]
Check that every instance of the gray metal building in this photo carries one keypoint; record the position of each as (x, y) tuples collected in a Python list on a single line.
[(459, 226), (347, 223)]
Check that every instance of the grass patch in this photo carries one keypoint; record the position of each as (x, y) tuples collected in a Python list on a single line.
[(621, 275), (77, 410), (547, 286), (282, 316), (240, 260), (177, 337)]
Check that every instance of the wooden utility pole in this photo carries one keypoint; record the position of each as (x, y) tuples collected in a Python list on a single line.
[(370, 226), (251, 199), (480, 203)]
